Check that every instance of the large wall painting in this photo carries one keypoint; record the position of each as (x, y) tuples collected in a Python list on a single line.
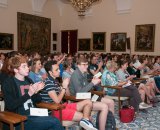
[(34, 33)]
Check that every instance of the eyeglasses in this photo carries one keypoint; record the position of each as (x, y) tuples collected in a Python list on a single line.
[(84, 64)]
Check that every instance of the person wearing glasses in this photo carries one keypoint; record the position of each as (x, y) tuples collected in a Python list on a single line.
[(53, 92), (79, 83)]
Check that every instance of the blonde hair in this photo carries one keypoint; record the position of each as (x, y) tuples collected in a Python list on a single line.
[(111, 64)]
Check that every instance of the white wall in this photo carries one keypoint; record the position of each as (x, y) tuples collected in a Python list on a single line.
[(104, 19), (8, 16)]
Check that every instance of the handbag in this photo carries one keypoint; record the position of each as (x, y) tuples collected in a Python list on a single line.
[(127, 114)]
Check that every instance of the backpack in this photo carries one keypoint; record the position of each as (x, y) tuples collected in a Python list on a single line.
[(110, 122)]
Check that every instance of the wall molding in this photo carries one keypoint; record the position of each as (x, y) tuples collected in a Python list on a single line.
[(4, 3), (123, 6), (37, 6)]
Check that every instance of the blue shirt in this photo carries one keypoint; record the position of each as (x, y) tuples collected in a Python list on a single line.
[(36, 77), (109, 79)]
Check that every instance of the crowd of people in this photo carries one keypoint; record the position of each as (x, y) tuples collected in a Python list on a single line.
[(27, 79)]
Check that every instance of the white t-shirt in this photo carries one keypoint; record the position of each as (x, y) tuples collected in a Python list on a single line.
[(137, 64)]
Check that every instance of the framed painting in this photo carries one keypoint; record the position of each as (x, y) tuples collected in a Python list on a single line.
[(6, 41), (84, 44), (34, 33), (54, 36), (144, 37), (118, 42), (99, 41), (54, 47)]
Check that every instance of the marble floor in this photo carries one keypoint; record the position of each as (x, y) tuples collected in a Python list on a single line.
[(145, 120), (149, 120)]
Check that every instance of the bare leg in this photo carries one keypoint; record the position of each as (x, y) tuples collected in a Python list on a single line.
[(154, 86), (142, 93), (103, 108), (85, 106), (77, 116), (109, 102), (146, 89)]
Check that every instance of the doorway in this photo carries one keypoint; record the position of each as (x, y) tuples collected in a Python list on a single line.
[(69, 41)]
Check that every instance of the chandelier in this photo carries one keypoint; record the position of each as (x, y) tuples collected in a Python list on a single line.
[(82, 5)]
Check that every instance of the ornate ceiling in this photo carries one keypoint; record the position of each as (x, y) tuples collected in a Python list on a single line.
[(123, 6)]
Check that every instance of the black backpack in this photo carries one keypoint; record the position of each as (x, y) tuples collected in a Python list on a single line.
[(110, 123)]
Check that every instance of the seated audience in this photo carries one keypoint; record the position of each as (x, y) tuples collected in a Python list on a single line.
[(67, 70), (124, 76), (156, 65), (20, 94), (34, 55), (37, 73), (79, 83), (59, 57), (94, 68), (132, 70), (52, 92), (71, 61), (2, 58), (109, 78)]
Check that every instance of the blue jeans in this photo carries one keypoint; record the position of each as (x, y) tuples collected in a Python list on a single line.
[(157, 81), (41, 123)]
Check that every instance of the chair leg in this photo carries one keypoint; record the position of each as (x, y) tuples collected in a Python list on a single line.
[(11, 127), (22, 125), (66, 128), (119, 101), (1, 125)]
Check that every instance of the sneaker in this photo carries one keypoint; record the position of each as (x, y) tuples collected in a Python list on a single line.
[(86, 124), (144, 111), (155, 100), (144, 106)]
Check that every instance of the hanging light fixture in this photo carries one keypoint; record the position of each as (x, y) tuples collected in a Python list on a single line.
[(82, 5)]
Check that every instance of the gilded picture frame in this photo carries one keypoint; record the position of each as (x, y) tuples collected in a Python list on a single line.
[(118, 41), (6, 41), (84, 44), (144, 37), (99, 41)]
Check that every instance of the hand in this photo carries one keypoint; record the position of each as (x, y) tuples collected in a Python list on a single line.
[(39, 86), (34, 88), (44, 76), (96, 81), (65, 82), (31, 90), (64, 56), (122, 83), (133, 76), (100, 65)]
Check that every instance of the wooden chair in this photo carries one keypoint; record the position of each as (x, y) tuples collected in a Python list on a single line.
[(119, 98), (10, 117)]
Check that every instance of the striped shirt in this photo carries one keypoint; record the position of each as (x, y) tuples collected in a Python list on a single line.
[(50, 85)]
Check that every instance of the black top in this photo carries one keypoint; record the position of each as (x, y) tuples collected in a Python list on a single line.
[(16, 96)]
